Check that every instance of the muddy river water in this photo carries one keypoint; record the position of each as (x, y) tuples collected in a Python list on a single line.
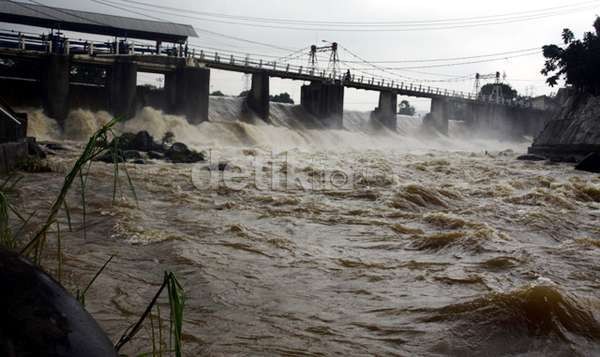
[(353, 242)]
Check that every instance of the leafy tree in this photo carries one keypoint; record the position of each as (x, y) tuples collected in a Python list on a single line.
[(576, 61), (507, 91), (217, 94), (406, 109), (282, 98)]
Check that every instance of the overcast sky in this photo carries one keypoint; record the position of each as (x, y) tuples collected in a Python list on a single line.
[(522, 72)]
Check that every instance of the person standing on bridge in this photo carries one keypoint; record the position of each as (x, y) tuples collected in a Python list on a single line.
[(348, 76)]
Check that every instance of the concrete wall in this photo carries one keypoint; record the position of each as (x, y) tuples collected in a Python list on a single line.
[(386, 112), (258, 97), (11, 153), (326, 102), (54, 86), (121, 83), (186, 92)]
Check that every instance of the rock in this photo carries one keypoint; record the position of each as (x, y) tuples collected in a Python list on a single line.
[(155, 155), (531, 157), (590, 163), (34, 149), (56, 147), (40, 318), (109, 158), (131, 155), (180, 153), (139, 162), (142, 141)]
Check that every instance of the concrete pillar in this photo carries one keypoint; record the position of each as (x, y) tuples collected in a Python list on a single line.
[(438, 117), (122, 87), (326, 102), (55, 86), (187, 90), (258, 97), (386, 112)]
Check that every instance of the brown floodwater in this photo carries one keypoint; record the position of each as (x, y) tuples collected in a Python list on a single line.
[(424, 246)]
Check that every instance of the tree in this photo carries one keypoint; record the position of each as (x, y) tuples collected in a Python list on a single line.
[(244, 93), (508, 92), (282, 98), (217, 93), (406, 109), (576, 61)]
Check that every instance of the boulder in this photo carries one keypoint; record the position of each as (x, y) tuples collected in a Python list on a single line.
[(155, 155), (139, 162), (220, 166), (180, 153), (531, 157), (131, 155), (590, 163), (40, 318), (34, 149), (141, 141), (109, 157)]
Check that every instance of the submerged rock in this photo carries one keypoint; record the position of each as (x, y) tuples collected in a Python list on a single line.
[(131, 155), (109, 157), (155, 155), (590, 163), (142, 141), (180, 153), (531, 157), (40, 318)]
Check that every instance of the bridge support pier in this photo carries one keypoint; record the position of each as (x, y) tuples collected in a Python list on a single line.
[(187, 90), (55, 86), (122, 87), (258, 97), (326, 102), (438, 118), (386, 112)]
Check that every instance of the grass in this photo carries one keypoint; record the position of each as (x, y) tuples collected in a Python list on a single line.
[(81, 294), (176, 304), (97, 145)]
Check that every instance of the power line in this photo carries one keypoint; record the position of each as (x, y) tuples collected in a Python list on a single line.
[(363, 23), (402, 28), (110, 4), (453, 58)]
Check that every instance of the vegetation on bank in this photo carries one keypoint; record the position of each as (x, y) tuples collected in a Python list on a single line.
[(576, 61), (11, 238)]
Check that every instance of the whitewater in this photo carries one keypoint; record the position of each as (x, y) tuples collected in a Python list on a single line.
[(429, 245)]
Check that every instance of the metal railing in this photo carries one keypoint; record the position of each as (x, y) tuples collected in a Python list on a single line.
[(53, 43)]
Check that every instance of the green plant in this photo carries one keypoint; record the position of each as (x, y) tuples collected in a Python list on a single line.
[(577, 61), (96, 146), (81, 294), (176, 305)]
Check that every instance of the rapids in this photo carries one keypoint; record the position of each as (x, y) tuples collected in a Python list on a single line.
[(348, 242)]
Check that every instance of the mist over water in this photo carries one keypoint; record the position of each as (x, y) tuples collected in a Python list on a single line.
[(448, 246)]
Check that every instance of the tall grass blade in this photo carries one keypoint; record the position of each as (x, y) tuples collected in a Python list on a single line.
[(81, 295), (95, 146)]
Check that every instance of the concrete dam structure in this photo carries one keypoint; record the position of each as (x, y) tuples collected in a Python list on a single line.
[(60, 74)]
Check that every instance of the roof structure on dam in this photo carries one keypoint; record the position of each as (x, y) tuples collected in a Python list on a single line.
[(91, 22)]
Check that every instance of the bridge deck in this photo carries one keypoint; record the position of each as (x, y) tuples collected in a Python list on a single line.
[(166, 60)]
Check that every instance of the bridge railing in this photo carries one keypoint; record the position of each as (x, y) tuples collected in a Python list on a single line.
[(253, 64), (58, 44)]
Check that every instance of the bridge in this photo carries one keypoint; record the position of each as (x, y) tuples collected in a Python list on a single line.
[(52, 65)]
